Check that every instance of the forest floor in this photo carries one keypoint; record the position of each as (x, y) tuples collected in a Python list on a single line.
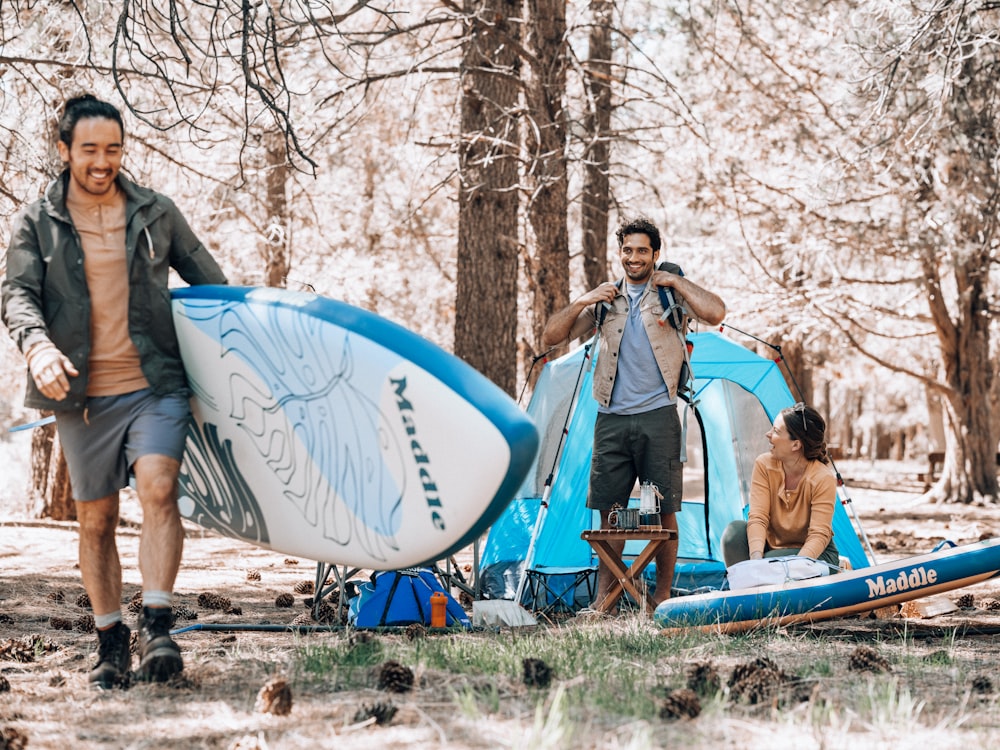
[(46, 650)]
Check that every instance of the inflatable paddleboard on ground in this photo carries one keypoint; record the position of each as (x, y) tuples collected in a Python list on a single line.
[(837, 595), (326, 432)]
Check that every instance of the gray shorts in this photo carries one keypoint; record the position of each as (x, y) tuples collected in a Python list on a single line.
[(644, 447), (103, 441)]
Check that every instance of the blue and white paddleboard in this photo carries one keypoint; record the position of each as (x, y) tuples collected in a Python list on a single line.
[(837, 595), (326, 432)]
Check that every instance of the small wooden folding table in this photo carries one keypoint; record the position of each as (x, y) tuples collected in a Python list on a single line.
[(627, 578)]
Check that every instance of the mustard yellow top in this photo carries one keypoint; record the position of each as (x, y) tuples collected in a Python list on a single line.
[(802, 518)]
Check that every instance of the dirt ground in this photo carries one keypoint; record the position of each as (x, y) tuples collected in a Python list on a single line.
[(45, 699)]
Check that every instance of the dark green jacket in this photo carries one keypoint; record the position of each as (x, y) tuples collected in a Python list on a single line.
[(45, 295)]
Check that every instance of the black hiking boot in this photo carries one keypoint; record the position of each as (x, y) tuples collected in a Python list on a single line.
[(113, 658), (159, 656)]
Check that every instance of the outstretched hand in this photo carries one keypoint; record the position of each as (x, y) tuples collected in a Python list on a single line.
[(51, 371)]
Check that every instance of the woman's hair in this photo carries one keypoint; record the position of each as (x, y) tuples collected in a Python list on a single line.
[(83, 107), (805, 424)]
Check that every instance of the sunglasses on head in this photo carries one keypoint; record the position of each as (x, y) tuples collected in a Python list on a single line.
[(800, 408)]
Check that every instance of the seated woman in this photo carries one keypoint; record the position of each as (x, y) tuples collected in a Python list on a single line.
[(792, 495)]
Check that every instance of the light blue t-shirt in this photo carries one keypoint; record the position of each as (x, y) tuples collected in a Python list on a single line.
[(639, 385)]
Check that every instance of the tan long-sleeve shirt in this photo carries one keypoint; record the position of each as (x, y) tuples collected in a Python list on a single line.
[(802, 518), (114, 359)]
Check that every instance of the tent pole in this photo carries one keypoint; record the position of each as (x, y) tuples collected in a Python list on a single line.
[(529, 558)]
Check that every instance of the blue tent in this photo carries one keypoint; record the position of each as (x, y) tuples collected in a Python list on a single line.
[(737, 395)]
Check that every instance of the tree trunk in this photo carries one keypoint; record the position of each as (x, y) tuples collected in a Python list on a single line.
[(798, 373), (50, 487), (545, 144), (275, 245), (486, 269), (597, 157), (970, 471)]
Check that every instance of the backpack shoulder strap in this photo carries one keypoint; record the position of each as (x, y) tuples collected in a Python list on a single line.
[(602, 307), (673, 312)]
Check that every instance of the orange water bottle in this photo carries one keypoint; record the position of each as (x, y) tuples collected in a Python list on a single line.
[(439, 609)]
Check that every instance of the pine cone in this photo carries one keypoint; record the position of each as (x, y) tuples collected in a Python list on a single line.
[(982, 684), (133, 642), (274, 698), (6, 619), (680, 704), (536, 673), (60, 623), (394, 677), (757, 687), (867, 659), (284, 600), (465, 600), (326, 615), (253, 574), (85, 624), (756, 681), (12, 739), (742, 671), (703, 679), (83, 601), (4, 684), (209, 600), (16, 649), (966, 601), (305, 587), (303, 619), (415, 631), (383, 711), (25, 648), (135, 603), (56, 596), (184, 613), (991, 604)]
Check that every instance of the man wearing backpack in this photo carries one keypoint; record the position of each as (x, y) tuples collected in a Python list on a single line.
[(641, 320)]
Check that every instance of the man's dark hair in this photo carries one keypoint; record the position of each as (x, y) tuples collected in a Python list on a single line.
[(639, 225), (82, 107)]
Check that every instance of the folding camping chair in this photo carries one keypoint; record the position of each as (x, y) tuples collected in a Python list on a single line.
[(551, 590), (451, 575), (339, 575)]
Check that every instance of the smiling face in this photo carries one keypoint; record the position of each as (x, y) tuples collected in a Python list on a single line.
[(638, 257), (95, 156), (783, 447)]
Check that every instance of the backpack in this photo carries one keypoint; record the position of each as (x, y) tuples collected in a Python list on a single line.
[(676, 315)]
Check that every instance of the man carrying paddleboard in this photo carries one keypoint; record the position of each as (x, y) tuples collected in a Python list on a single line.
[(86, 301), (641, 320)]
